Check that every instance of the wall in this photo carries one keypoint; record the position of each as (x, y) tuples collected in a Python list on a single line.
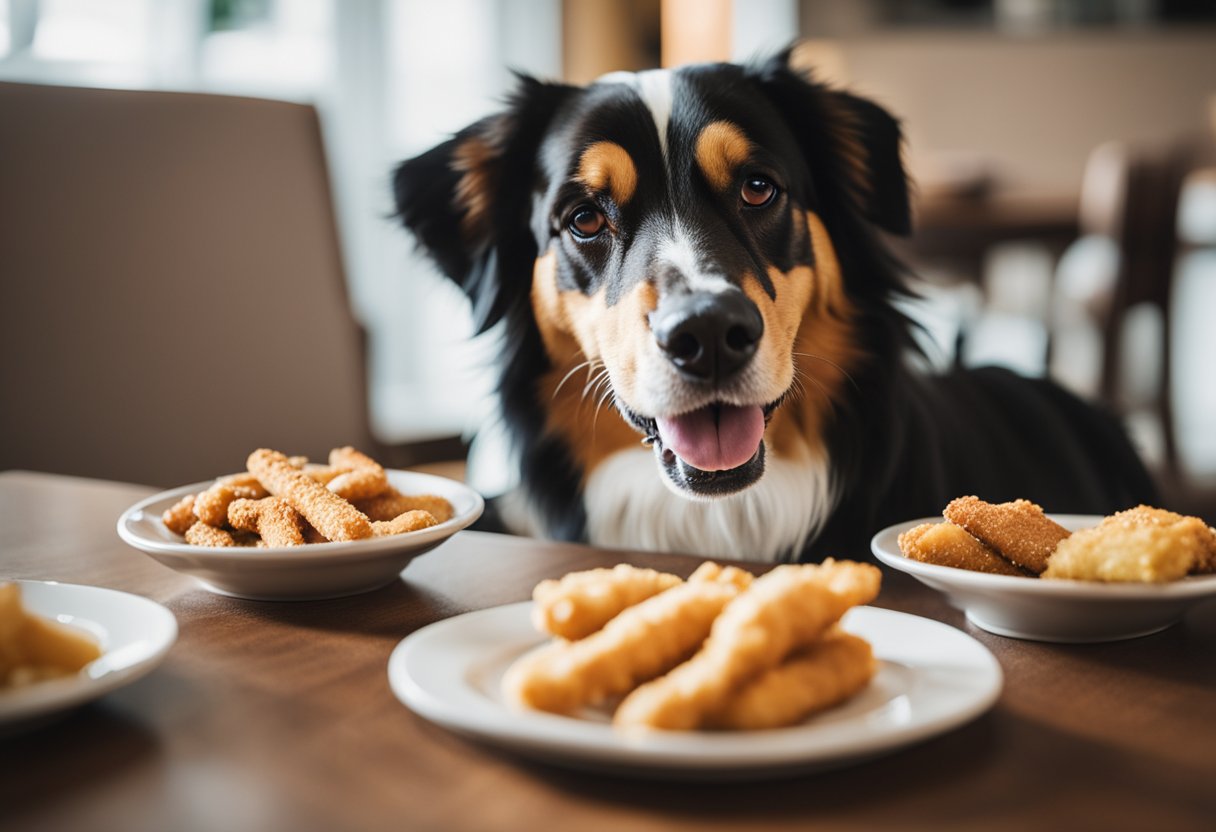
[(1035, 104)]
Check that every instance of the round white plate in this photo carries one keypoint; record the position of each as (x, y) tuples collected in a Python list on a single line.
[(1051, 609), (133, 632), (931, 678), (298, 573)]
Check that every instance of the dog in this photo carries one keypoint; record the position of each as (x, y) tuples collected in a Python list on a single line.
[(702, 343)]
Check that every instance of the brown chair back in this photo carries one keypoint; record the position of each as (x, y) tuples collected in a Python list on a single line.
[(171, 286), (1130, 194)]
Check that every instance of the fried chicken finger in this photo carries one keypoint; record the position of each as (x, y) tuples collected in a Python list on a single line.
[(946, 544), (583, 602), (180, 516), (393, 503), (362, 476), (211, 506), (1019, 530), (408, 521), (782, 611), (645, 640), (817, 677), (200, 534), (328, 513), (271, 517)]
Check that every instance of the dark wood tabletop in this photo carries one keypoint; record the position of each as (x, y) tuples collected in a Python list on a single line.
[(269, 716)]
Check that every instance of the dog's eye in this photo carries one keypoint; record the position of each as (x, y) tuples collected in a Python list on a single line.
[(586, 222), (757, 192)]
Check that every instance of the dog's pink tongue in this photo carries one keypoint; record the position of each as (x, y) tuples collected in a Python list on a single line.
[(714, 439)]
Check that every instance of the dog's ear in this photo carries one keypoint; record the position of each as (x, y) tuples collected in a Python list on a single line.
[(852, 145), (468, 200)]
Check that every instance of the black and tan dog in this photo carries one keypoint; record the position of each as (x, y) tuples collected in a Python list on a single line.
[(701, 350)]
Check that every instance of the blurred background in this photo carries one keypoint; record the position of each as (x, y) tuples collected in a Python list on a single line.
[(1062, 150)]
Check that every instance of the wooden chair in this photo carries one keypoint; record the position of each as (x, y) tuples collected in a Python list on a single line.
[(1148, 242), (1130, 196)]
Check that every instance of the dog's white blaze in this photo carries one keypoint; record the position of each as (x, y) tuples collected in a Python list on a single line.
[(679, 252), (653, 86), (629, 505)]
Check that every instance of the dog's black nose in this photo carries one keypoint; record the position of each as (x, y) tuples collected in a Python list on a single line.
[(708, 335)]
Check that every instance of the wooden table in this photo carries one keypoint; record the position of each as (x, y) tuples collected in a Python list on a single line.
[(269, 716)]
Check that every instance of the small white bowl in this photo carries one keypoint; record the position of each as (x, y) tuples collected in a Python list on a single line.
[(1051, 609), (298, 573)]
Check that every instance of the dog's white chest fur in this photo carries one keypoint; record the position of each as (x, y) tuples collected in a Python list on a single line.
[(629, 506)]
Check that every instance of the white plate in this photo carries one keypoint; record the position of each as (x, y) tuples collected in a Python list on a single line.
[(298, 573), (133, 633), (931, 678), (1051, 610)]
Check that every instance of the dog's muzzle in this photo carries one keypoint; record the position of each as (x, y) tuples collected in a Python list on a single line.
[(709, 338)]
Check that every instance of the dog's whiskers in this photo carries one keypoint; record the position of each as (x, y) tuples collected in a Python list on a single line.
[(596, 388), (590, 364), (798, 387), (832, 364), (594, 383), (797, 390), (609, 393), (602, 383)]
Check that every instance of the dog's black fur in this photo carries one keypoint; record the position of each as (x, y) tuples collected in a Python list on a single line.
[(901, 443)]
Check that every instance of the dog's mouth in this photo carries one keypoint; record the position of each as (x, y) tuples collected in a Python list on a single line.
[(712, 451)]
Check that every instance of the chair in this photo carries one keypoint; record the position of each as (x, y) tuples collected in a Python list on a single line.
[(1129, 207), (171, 286), (1129, 262)]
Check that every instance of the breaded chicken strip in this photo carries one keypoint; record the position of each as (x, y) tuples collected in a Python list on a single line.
[(642, 642), (1019, 531), (328, 513), (946, 544), (362, 477), (583, 602), (392, 503), (200, 534), (815, 678), (407, 521), (272, 518), (211, 506), (180, 516), (783, 611)]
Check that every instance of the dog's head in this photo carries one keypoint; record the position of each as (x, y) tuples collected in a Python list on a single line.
[(667, 240)]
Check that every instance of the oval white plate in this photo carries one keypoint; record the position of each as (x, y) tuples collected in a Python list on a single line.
[(133, 632), (931, 678), (298, 573), (1051, 610)]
